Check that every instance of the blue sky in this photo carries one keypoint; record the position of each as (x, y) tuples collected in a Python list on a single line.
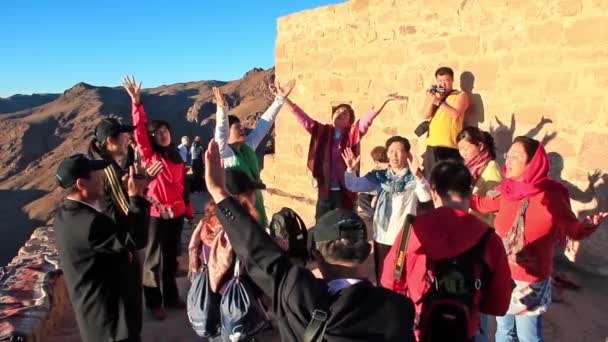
[(47, 46)]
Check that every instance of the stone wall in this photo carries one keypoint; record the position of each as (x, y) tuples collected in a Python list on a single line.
[(33, 295), (531, 67)]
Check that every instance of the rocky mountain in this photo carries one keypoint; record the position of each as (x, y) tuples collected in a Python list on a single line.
[(35, 139)]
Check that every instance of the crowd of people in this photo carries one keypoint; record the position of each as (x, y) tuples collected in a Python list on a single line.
[(455, 239)]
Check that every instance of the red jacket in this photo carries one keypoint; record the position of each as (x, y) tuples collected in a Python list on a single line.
[(445, 233), (548, 219), (168, 187)]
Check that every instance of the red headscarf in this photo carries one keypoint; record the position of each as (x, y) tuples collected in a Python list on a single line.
[(535, 180)]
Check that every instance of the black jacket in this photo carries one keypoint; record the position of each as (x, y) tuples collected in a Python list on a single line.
[(115, 202), (361, 312), (97, 258)]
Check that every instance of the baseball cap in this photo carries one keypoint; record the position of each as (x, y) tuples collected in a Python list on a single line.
[(109, 127), (238, 182), (77, 166), (340, 224)]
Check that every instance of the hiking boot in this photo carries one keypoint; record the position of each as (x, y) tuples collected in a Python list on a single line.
[(176, 304), (158, 313)]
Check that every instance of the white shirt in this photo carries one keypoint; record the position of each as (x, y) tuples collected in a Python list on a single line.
[(401, 204), (253, 139), (85, 203)]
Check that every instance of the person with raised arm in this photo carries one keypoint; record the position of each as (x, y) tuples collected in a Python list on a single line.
[(340, 307), (533, 212), (327, 143), (238, 149), (171, 206)]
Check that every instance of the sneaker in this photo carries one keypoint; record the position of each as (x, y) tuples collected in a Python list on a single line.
[(158, 313), (176, 304)]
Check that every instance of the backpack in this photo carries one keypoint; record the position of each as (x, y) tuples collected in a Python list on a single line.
[(203, 305), (289, 226), (242, 314), (449, 301)]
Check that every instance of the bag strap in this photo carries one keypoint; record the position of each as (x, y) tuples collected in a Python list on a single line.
[(436, 108), (400, 262), (315, 331), (237, 268)]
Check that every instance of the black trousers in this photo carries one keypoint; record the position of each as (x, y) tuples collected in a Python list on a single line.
[(160, 265), (329, 203), (380, 252), (436, 154), (198, 181)]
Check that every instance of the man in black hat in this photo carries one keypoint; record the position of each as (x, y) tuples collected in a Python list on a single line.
[(96, 252), (340, 307), (111, 142)]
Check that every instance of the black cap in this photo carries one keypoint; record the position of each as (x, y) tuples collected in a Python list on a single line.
[(77, 166), (109, 127), (238, 182), (340, 224)]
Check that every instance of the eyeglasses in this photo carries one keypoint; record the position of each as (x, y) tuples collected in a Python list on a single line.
[(513, 157)]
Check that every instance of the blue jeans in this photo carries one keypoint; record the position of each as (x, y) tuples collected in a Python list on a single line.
[(522, 328), (483, 335)]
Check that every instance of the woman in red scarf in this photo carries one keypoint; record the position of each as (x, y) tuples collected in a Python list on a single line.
[(477, 149), (532, 213)]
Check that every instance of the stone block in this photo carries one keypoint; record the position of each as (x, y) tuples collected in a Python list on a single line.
[(588, 31), (592, 154), (549, 32), (431, 47), (465, 45), (568, 8)]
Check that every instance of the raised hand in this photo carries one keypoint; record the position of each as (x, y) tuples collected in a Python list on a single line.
[(285, 90), (136, 181), (350, 159), (133, 88), (215, 176), (593, 221), (594, 177), (219, 97), (414, 165)]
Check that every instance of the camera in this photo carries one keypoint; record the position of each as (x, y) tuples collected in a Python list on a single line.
[(437, 89)]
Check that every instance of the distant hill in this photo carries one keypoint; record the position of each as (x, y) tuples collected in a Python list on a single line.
[(44, 129)]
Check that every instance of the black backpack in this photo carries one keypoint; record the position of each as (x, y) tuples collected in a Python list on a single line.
[(288, 225), (453, 287)]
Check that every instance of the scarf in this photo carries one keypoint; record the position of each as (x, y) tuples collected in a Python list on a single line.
[(221, 255), (319, 157), (390, 184), (478, 164), (535, 180)]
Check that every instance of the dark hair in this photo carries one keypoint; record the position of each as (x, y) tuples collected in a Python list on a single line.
[(233, 119), (399, 139), (444, 71), (379, 154), (170, 152), (476, 136), (344, 250), (451, 177), (530, 145), (97, 148), (351, 111)]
